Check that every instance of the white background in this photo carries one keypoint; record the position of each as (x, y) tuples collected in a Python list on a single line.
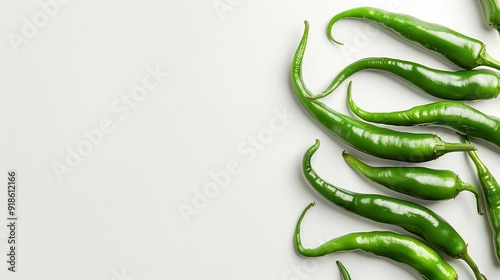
[(117, 215)]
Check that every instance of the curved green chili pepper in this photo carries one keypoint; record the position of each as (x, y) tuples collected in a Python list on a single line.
[(459, 85), (380, 142), (491, 10), (343, 271), (401, 248), (461, 50), (455, 115), (491, 190), (412, 217), (420, 182)]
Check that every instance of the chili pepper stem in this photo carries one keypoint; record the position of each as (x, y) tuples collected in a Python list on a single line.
[(479, 276), (480, 167), (486, 60), (454, 147), (463, 186)]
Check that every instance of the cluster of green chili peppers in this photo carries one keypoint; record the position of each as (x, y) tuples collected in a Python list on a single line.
[(419, 182)]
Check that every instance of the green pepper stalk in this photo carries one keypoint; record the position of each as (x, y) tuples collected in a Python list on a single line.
[(401, 248), (343, 271), (464, 51), (419, 182), (414, 218), (455, 115), (459, 85), (491, 10), (491, 191), (380, 142)]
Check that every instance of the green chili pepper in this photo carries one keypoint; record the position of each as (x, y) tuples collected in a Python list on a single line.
[(420, 182), (459, 85), (412, 217), (380, 142), (491, 191), (461, 50), (491, 10), (343, 271), (455, 115), (401, 248)]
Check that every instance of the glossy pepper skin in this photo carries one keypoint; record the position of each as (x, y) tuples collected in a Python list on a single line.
[(380, 142), (419, 182), (463, 51), (401, 248), (491, 191), (459, 85), (412, 217), (343, 271), (491, 10), (455, 115)]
